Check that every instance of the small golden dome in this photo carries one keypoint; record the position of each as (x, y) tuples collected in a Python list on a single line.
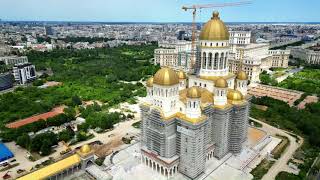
[(214, 29), (85, 149), (150, 82), (182, 75), (166, 77), (194, 92), (234, 95), (221, 83), (242, 75)]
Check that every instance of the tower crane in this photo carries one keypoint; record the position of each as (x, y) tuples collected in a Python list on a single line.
[(194, 9)]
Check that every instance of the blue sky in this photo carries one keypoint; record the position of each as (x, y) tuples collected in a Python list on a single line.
[(156, 10)]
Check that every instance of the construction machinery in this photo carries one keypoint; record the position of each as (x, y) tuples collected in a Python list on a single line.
[(67, 148), (194, 9)]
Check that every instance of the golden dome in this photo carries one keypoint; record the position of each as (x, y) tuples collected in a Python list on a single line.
[(214, 29), (150, 82), (242, 75), (85, 149), (221, 83), (166, 77), (182, 75), (194, 92), (234, 95)]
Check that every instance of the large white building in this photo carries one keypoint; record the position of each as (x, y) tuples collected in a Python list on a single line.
[(24, 73), (188, 120), (253, 58), (12, 60), (239, 38), (175, 55), (309, 53)]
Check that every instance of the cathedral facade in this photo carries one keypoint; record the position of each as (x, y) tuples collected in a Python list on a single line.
[(190, 119)]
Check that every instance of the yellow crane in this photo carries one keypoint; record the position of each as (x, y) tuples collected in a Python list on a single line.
[(194, 9)]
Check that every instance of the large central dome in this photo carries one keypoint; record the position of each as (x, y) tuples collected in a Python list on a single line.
[(214, 29)]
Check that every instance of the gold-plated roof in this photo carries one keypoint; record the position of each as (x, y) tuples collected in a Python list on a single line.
[(226, 106), (214, 78), (221, 83), (166, 77), (234, 95), (190, 120), (150, 82), (194, 92), (205, 99), (182, 75), (214, 29), (53, 169), (242, 75), (85, 149)]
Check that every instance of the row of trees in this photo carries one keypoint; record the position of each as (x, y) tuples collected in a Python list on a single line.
[(96, 118), (70, 39), (12, 134), (267, 79), (40, 143), (279, 113)]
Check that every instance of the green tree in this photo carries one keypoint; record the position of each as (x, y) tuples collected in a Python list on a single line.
[(65, 135), (76, 100), (45, 147), (70, 113), (23, 141), (265, 78)]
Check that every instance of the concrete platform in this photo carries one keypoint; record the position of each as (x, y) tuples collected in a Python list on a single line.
[(127, 163)]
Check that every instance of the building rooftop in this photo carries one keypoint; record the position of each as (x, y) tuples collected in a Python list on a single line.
[(5, 153), (255, 45)]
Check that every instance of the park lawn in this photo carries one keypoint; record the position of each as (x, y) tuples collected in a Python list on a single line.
[(307, 80)]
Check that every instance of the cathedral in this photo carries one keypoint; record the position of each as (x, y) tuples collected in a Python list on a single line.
[(188, 120)]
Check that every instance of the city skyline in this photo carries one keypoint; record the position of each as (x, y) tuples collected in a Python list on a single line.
[(156, 11)]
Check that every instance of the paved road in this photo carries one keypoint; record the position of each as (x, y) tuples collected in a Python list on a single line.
[(281, 163)]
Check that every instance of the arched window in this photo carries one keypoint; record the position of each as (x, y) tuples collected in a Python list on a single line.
[(204, 60), (216, 56), (221, 61), (225, 61), (210, 61), (194, 104)]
